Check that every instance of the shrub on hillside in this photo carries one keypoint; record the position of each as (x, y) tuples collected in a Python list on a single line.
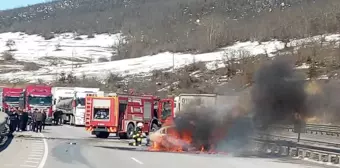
[(103, 59), (8, 56), (90, 36), (78, 38), (48, 36), (31, 66)]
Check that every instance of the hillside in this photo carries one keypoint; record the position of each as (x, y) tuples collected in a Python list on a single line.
[(153, 26), (173, 46)]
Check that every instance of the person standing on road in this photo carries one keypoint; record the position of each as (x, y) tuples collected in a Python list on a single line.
[(44, 119), (56, 116), (24, 120), (39, 116), (61, 117), (34, 123), (13, 117), (30, 120), (20, 120)]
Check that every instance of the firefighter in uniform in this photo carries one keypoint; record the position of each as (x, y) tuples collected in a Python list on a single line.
[(138, 135)]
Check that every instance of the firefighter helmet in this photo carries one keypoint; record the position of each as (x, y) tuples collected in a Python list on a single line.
[(141, 125)]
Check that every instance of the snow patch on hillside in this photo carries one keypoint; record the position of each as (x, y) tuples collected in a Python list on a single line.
[(33, 48)]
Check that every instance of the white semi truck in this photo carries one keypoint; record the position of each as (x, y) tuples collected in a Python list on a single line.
[(73, 107), (186, 101)]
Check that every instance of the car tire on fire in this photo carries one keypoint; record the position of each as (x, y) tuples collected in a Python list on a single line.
[(154, 127)]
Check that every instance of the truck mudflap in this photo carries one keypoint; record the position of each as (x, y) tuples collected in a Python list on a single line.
[(93, 130)]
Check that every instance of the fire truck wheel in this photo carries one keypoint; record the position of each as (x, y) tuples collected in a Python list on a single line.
[(129, 130), (102, 135)]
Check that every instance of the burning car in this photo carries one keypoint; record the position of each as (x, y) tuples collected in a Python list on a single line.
[(168, 139)]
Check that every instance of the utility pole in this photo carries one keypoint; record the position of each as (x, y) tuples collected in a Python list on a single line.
[(173, 62), (73, 51)]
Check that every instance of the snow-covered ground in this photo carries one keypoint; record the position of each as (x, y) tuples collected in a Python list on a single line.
[(34, 48)]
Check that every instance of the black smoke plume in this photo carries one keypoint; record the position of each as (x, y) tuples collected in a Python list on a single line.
[(216, 129), (278, 93)]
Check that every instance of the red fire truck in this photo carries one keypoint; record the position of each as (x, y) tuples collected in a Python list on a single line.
[(120, 114)]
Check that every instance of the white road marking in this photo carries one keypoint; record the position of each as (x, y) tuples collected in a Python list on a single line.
[(38, 150), (33, 158), (9, 165), (34, 155), (44, 159), (27, 161), (136, 160), (28, 165)]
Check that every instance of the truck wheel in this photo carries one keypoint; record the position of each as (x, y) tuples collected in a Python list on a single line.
[(102, 135), (154, 127), (122, 136), (130, 130)]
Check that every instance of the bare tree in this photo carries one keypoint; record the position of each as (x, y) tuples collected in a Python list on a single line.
[(10, 43)]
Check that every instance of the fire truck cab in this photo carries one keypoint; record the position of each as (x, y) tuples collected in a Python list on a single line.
[(121, 113)]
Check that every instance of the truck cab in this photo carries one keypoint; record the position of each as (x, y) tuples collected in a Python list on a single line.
[(38, 97), (11, 97)]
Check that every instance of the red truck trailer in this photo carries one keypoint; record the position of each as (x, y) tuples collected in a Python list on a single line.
[(38, 97), (10, 97), (120, 114)]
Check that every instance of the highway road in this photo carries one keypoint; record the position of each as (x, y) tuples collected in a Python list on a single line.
[(73, 147)]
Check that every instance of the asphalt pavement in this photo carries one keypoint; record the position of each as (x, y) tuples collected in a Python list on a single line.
[(73, 147)]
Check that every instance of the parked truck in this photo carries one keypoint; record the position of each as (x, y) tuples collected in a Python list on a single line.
[(10, 97), (120, 114), (38, 97), (71, 102), (1, 100)]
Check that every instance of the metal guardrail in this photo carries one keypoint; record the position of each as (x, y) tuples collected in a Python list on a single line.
[(298, 150), (332, 130), (272, 137)]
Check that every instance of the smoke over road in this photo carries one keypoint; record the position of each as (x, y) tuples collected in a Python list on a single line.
[(278, 93)]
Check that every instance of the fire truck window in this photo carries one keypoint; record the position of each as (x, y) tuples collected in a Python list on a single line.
[(147, 110), (80, 101), (166, 111), (122, 108), (101, 113)]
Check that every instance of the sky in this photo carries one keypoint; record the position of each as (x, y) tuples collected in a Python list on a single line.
[(9, 4)]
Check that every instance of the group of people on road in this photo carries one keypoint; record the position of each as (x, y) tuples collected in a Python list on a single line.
[(20, 119)]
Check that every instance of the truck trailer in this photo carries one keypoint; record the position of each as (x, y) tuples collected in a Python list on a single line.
[(185, 101), (72, 103)]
